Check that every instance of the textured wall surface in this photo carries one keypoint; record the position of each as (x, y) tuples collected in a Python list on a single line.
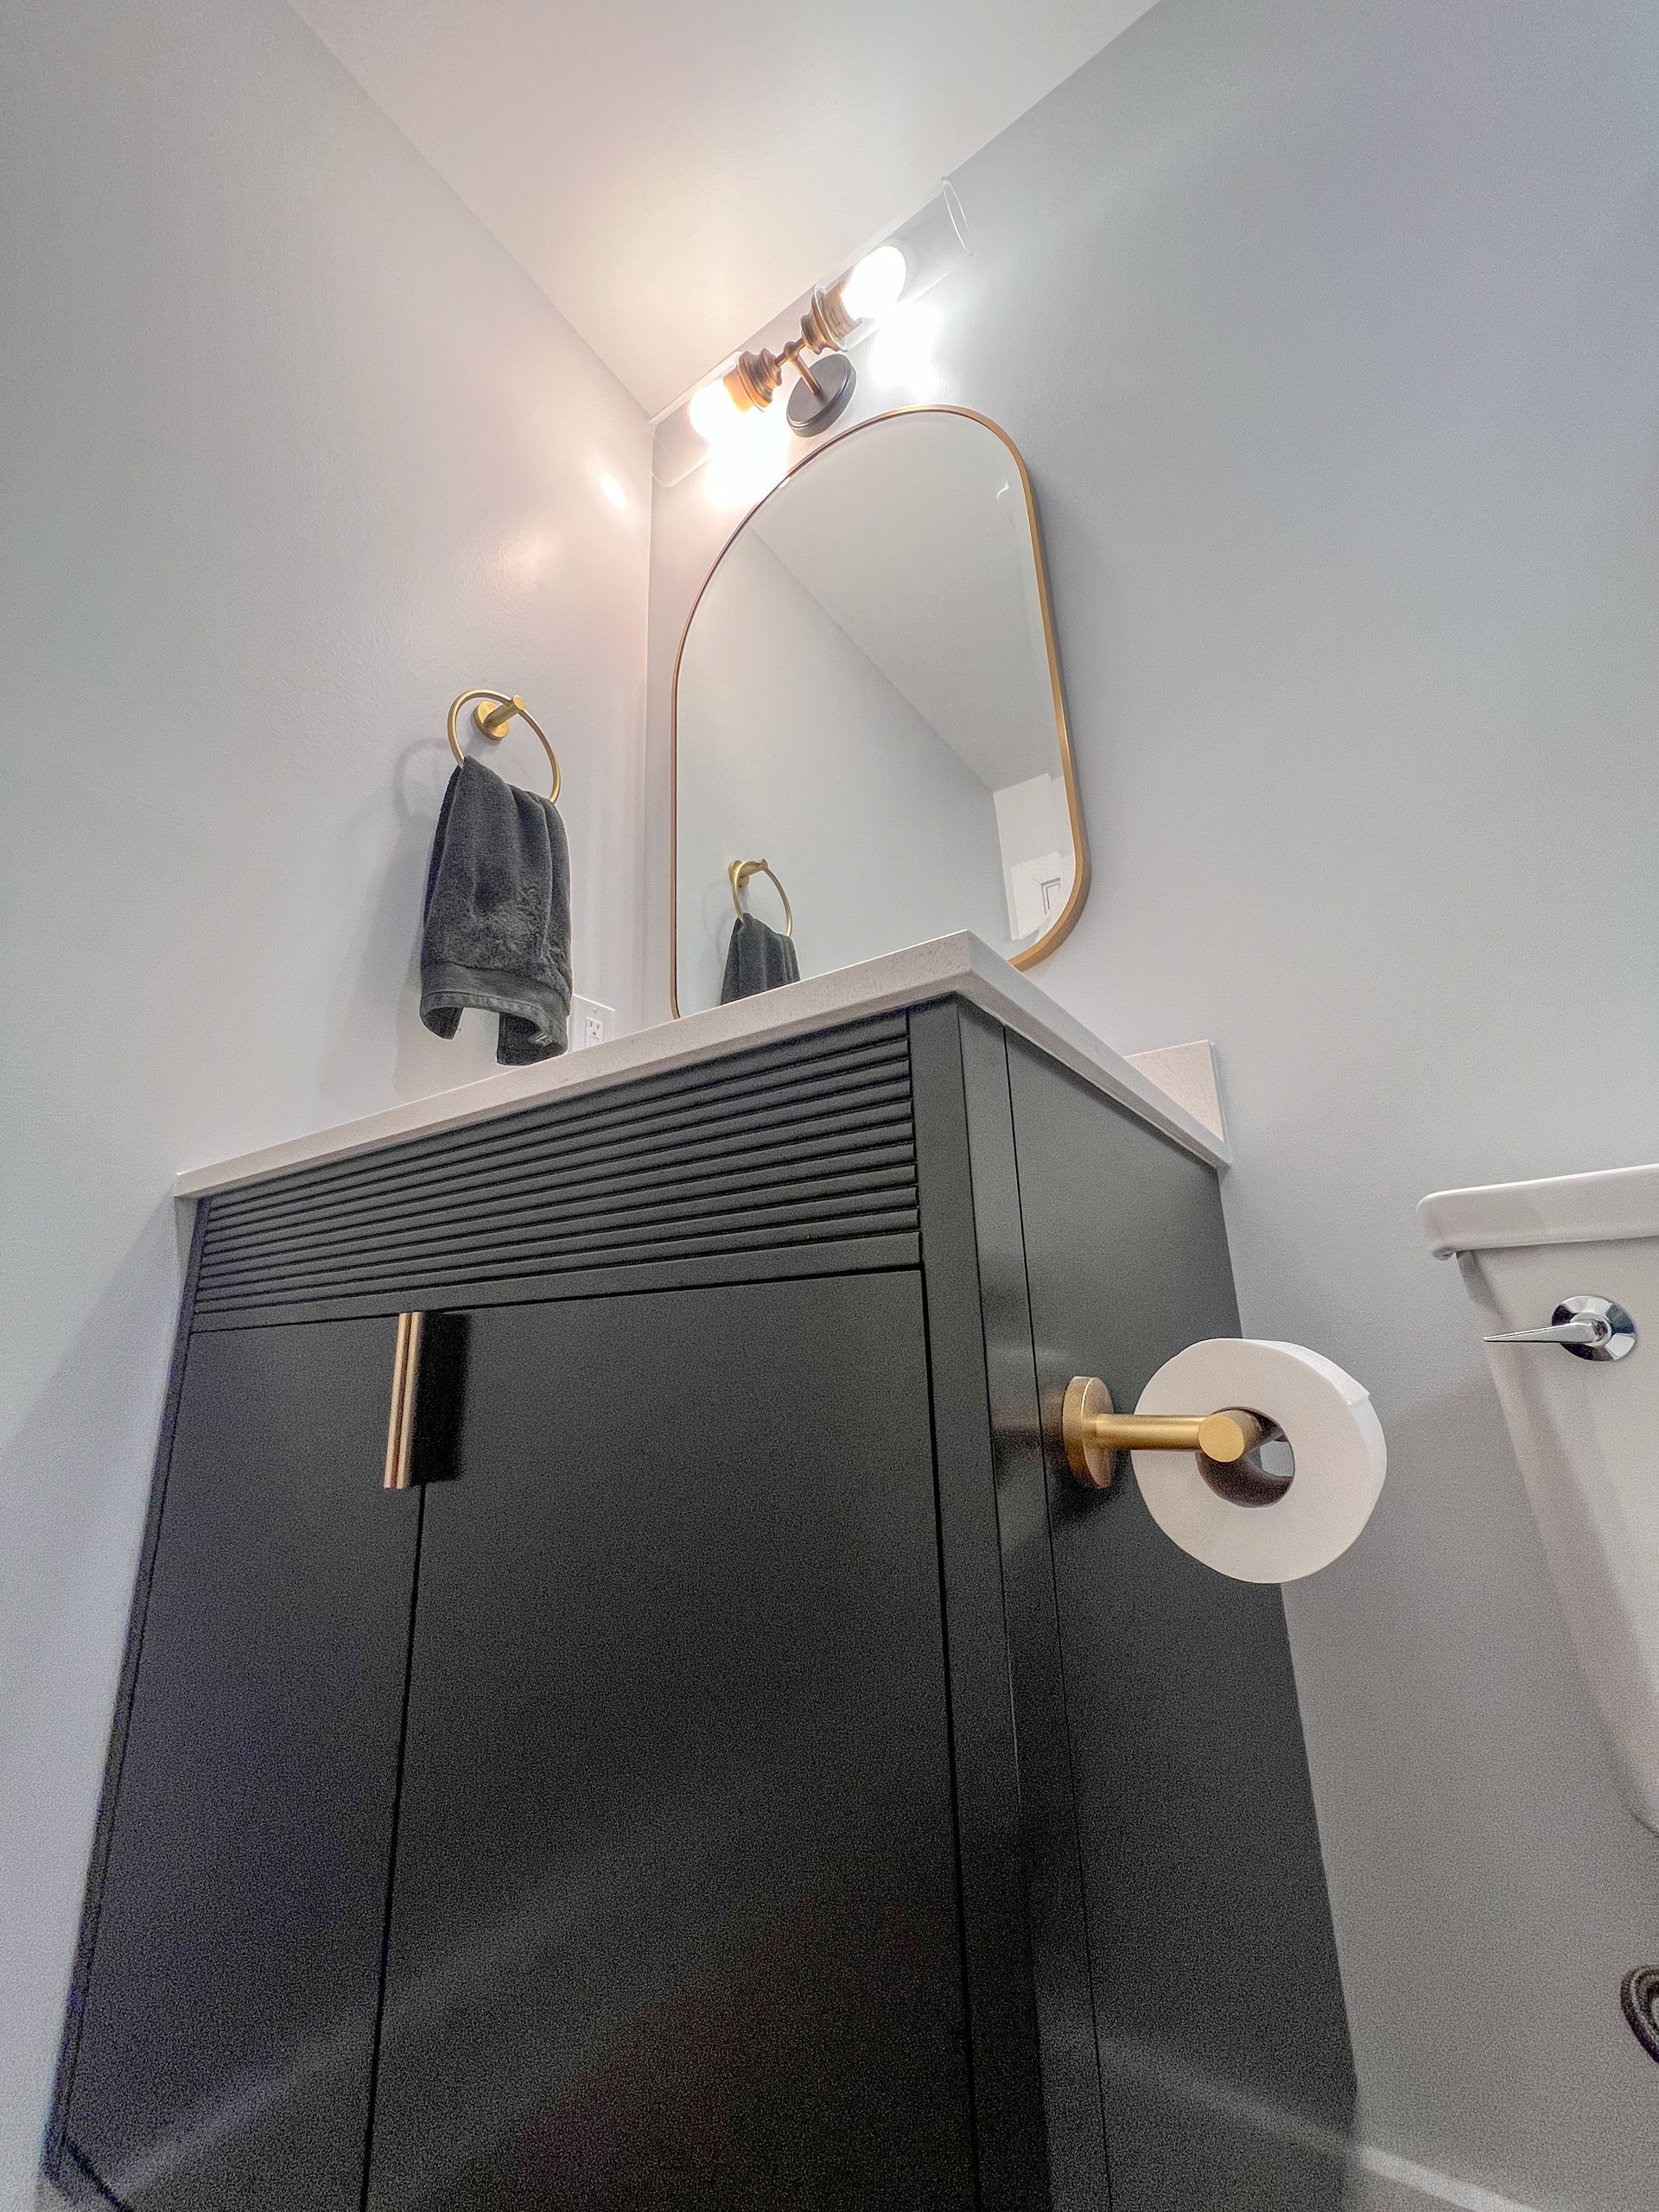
[(1331, 338), (293, 452)]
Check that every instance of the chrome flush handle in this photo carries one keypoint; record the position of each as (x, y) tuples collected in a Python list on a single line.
[(1590, 1328)]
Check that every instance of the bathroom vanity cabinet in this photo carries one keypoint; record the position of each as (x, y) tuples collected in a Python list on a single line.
[(741, 1767)]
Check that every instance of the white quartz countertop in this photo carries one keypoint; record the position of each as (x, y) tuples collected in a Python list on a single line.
[(948, 967)]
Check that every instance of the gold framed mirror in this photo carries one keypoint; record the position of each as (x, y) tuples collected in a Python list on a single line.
[(867, 700)]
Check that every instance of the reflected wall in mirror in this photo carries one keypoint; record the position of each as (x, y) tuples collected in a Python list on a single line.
[(868, 698)]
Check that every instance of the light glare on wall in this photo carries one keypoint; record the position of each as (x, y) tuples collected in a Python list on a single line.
[(903, 351)]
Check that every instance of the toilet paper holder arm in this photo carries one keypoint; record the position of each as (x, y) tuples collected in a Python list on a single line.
[(1094, 1434)]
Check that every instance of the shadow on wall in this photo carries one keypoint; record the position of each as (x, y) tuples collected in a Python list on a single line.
[(387, 938)]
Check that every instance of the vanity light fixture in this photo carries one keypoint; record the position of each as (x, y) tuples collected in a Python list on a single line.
[(822, 391)]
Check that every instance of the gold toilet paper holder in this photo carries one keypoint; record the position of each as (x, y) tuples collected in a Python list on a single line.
[(1095, 1434)]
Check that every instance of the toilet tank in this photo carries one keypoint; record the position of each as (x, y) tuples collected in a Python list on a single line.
[(1584, 1421)]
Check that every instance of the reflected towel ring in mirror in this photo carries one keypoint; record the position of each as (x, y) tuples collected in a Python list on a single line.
[(741, 872), (495, 722)]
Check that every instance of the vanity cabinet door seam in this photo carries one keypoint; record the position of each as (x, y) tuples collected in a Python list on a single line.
[(391, 1845), (1074, 2099), (1010, 2126)]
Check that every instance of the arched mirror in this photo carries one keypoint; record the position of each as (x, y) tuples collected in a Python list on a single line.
[(867, 699)]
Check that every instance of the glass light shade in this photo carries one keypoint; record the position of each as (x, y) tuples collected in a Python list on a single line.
[(873, 284), (713, 412), (747, 460)]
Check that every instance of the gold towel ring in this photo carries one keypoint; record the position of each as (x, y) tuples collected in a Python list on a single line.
[(495, 723), (741, 871)]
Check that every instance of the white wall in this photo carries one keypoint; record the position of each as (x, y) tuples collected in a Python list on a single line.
[(294, 452), (1330, 336), (868, 817)]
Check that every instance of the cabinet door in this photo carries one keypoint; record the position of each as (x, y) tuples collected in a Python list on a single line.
[(227, 2022), (675, 1917)]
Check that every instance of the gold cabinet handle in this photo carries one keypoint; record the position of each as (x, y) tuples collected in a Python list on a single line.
[(1095, 1433), (406, 1391)]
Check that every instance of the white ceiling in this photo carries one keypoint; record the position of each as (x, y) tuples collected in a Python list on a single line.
[(674, 175)]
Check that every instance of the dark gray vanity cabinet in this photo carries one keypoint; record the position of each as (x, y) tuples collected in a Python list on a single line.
[(742, 1770)]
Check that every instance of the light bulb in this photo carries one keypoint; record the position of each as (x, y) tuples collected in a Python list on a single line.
[(713, 411), (873, 284), (613, 490)]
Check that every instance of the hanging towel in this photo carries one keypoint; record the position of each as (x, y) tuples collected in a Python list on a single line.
[(757, 959), (497, 932)]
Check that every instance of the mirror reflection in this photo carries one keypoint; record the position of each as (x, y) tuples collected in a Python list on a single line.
[(868, 700)]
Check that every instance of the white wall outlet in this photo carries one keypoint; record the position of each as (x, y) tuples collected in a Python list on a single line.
[(592, 1022)]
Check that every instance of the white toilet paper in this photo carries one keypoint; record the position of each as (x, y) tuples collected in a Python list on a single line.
[(1332, 1431)]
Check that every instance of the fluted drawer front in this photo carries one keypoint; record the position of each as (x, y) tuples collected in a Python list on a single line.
[(806, 1145)]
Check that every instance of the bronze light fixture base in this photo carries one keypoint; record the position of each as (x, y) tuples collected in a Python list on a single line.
[(827, 386), (822, 397)]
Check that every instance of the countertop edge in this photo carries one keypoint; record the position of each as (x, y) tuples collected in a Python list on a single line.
[(949, 966)]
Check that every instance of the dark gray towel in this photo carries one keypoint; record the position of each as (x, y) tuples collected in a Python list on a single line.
[(497, 931), (757, 959)]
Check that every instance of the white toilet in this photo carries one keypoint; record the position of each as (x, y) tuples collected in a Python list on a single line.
[(1565, 1277)]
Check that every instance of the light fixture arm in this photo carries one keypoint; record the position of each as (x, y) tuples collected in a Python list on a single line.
[(825, 326), (821, 392)]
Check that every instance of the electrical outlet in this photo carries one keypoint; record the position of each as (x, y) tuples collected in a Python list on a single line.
[(592, 1022)]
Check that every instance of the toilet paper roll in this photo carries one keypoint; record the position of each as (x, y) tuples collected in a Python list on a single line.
[(1333, 1434)]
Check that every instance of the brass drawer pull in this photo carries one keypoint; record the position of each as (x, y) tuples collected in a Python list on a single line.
[(405, 1391)]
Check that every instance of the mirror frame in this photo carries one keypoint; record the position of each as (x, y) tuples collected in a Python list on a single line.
[(1062, 926)]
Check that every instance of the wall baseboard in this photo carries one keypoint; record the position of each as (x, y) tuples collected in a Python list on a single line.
[(1380, 2182)]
